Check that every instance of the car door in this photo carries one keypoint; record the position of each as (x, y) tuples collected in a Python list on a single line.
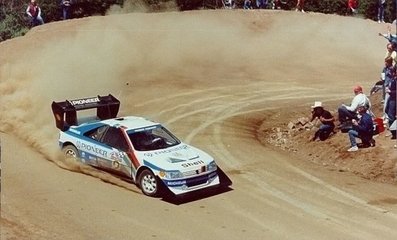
[(117, 159)]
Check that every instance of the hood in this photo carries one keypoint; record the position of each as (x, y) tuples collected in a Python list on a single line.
[(181, 157)]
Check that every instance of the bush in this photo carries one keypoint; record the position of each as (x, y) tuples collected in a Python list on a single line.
[(13, 20), (327, 6), (12, 23)]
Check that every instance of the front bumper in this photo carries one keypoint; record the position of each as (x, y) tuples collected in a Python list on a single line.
[(181, 186)]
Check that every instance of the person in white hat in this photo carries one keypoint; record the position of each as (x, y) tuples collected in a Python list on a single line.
[(327, 121)]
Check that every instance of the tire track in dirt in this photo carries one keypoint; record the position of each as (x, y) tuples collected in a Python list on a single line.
[(219, 113)]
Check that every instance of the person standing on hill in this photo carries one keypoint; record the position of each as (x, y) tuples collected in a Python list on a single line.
[(391, 102), (261, 4), (381, 11), (391, 52), (34, 12), (387, 75), (66, 7), (352, 6), (228, 4), (247, 4), (392, 38), (299, 5)]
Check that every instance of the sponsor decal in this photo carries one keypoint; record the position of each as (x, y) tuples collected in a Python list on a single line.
[(166, 151), (115, 164), (116, 156), (84, 101), (176, 183), (91, 148), (191, 164), (177, 154), (145, 129)]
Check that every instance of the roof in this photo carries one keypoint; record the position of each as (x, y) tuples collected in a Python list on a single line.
[(130, 122)]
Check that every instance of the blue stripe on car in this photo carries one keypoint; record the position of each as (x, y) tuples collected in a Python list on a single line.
[(152, 166)]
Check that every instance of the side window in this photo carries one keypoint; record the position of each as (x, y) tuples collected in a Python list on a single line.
[(115, 138), (97, 134)]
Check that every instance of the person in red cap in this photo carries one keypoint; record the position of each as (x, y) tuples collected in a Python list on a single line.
[(347, 113)]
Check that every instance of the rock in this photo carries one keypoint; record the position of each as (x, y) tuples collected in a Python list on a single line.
[(303, 121)]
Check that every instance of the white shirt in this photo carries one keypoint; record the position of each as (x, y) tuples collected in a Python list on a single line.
[(359, 100)]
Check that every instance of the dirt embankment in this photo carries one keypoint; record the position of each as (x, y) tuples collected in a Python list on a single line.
[(295, 134)]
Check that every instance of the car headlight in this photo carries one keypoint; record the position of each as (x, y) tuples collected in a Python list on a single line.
[(171, 174), (212, 166)]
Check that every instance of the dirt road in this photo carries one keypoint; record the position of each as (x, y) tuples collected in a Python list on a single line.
[(213, 78)]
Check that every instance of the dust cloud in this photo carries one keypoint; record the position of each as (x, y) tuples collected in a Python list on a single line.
[(123, 52)]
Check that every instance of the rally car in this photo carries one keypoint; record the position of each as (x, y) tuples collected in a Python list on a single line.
[(132, 147)]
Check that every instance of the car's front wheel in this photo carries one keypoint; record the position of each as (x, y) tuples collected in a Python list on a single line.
[(70, 151), (148, 183)]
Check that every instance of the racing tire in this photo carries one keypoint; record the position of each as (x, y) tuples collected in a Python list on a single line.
[(148, 183), (70, 151)]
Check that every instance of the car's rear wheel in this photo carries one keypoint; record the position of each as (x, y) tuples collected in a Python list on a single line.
[(148, 183), (70, 151)]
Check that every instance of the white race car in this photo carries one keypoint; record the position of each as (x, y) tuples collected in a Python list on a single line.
[(132, 147)]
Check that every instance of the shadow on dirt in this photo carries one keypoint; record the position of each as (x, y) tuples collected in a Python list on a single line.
[(225, 183)]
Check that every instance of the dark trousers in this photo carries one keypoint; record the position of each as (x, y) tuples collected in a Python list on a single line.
[(345, 115)]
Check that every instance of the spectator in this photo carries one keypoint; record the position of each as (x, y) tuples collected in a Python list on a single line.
[(34, 12), (352, 6), (362, 129), (391, 102), (247, 4), (390, 37), (261, 4), (347, 113), (228, 4), (299, 5), (66, 8), (278, 4), (327, 121), (391, 52), (387, 76), (381, 11)]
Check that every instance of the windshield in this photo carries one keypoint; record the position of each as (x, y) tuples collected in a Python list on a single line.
[(152, 138)]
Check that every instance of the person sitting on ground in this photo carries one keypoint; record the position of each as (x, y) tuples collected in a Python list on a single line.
[(34, 12), (327, 121), (347, 113), (363, 129)]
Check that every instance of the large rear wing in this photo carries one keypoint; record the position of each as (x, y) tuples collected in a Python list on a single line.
[(65, 112)]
